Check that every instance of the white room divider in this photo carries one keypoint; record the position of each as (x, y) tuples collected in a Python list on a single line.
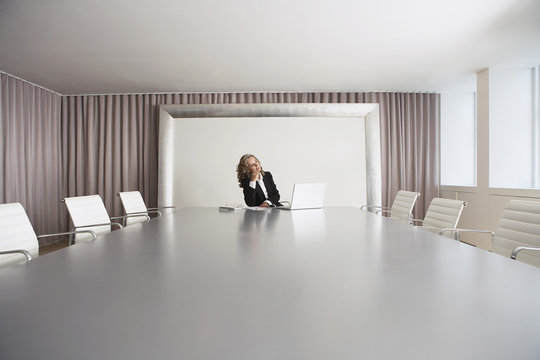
[(200, 145)]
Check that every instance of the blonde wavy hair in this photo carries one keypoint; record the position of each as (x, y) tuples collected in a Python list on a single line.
[(243, 171)]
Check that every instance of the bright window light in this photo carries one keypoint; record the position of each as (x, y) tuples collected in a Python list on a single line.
[(513, 128), (458, 139)]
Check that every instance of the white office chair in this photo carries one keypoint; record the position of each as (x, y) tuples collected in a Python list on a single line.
[(88, 212), (401, 207), (518, 230), (18, 241), (442, 214), (134, 205)]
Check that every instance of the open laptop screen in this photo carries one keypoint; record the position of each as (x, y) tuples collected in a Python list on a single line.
[(307, 196)]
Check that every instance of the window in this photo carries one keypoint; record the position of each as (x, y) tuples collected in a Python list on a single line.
[(458, 139), (514, 152)]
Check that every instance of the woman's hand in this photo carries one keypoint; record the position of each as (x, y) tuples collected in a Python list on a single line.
[(264, 204), (254, 176)]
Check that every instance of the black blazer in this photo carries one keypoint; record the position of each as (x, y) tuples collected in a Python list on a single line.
[(255, 197)]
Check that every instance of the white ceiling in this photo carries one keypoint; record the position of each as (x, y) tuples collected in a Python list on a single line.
[(141, 46)]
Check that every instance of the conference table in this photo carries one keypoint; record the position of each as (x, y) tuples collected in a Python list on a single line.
[(332, 283)]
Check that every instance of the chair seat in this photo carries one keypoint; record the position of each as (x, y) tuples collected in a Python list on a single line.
[(519, 226), (401, 207), (403, 204), (443, 213), (16, 234), (133, 203), (86, 212)]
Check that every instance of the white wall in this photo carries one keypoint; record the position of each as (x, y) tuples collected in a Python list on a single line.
[(294, 150), (485, 204), (458, 138), (511, 127)]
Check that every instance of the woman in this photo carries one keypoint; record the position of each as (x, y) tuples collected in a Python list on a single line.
[(258, 185)]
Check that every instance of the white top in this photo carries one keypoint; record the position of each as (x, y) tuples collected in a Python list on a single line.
[(253, 185)]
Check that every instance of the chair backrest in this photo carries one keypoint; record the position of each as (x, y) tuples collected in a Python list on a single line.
[(403, 204), (443, 213), (88, 210), (16, 233), (519, 226), (133, 202)]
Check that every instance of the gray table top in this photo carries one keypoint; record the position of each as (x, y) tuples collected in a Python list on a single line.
[(337, 283)]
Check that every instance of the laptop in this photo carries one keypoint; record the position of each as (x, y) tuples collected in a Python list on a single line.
[(306, 196)]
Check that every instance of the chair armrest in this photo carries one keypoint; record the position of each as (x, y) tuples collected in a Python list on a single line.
[(427, 227), (165, 207), (519, 248), (367, 207), (104, 224), (455, 231), (458, 231), (132, 215), (24, 252), (410, 219), (146, 212), (456, 237), (70, 233)]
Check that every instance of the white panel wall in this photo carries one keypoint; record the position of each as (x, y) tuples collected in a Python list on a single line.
[(486, 204), (511, 127), (458, 138), (294, 150)]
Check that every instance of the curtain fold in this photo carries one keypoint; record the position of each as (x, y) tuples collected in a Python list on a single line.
[(56, 146), (409, 123), (30, 172), (110, 142)]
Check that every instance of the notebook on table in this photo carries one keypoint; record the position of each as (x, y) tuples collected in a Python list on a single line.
[(306, 196)]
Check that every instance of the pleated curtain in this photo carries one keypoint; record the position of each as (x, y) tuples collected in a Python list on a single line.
[(30, 152), (110, 143), (56, 146), (409, 152)]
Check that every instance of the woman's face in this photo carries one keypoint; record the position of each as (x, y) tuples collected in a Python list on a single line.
[(253, 165)]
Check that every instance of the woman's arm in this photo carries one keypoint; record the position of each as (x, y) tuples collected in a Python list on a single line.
[(271, 189), (250, 194)]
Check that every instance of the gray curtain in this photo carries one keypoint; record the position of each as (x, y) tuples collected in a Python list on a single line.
[(110, 142), (56, 146), (30, 172), (410, 161)]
